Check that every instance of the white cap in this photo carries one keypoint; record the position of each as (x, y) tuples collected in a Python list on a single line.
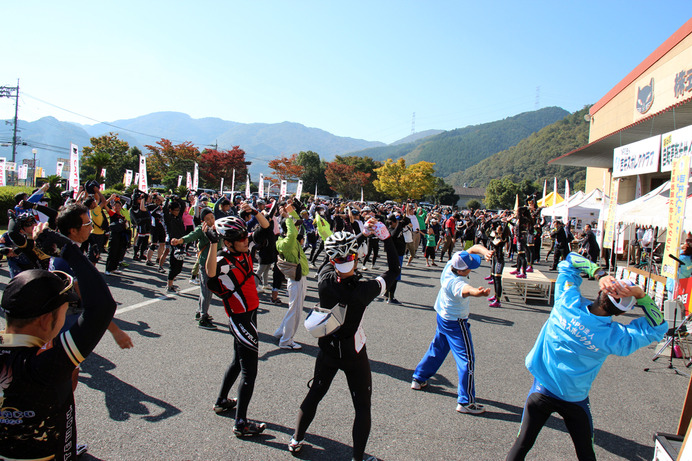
[(627, 303)]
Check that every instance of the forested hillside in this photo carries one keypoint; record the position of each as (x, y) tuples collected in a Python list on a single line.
[(529, 159), (457, 149)]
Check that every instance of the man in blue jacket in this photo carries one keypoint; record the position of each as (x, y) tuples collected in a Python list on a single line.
[(572, 346)]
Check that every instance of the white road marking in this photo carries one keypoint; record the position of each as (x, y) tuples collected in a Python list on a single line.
[(122, 310)]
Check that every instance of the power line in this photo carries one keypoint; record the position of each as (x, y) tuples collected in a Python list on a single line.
[(127, 129)]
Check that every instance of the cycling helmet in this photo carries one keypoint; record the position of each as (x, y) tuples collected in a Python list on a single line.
[(25, 219), (231, 228), (340, 245)]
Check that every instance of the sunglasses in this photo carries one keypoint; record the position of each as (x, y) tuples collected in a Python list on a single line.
[(239, 239), (347, 259), (67, 279)]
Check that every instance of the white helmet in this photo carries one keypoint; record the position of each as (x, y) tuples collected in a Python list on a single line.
[(340, 245)]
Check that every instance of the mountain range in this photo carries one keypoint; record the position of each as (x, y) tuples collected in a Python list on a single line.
[(260, 141), (453, 152)]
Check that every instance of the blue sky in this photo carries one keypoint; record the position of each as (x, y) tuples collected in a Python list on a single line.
[(357, 69)]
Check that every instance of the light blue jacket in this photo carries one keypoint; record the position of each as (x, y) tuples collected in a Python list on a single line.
[(574, 343)]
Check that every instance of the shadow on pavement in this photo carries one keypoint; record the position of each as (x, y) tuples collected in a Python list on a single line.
[(142, 328), (122, 399)]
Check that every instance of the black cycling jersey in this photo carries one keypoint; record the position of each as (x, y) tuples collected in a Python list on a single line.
[(356, 294), (37, 419)]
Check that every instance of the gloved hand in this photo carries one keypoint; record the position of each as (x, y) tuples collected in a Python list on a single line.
[(27, 205), (212, 235), (51, 242), (297, 205)]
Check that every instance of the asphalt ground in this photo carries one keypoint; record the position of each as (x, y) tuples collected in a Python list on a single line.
[(154, 402)]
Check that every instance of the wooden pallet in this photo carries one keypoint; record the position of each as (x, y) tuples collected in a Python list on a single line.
[(535, 286)]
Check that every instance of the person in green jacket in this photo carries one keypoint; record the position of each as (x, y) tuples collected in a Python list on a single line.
[(199, 235), (290, 248)]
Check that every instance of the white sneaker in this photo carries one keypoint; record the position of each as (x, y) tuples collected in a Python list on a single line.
[(295, 446), (194, 281), (292, 346), (364, 268), (471, 408)]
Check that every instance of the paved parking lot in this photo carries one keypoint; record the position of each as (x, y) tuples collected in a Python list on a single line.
[(154, 401)]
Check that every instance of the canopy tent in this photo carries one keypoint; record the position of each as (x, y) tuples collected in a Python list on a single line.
[(588, 207), (559, 210), (551, 199), (650, 209)]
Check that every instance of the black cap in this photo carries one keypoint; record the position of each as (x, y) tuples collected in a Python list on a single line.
[(204, 212), (35, 292)]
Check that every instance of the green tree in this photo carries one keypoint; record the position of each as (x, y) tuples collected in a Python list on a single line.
[(443, 194), (501, 193), (473, 204), (313, 172), (111, 153)]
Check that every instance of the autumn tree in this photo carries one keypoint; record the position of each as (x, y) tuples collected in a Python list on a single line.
[(216, 164), (396, 180), (364, 165), (285, 168), (345, 179), (111, 153), (166, 161)]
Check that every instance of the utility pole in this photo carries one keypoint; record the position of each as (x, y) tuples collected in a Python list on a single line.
[(33, 181), (6, 92)]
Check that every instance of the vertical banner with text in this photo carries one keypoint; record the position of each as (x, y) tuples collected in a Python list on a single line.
[(58, 168), (180, 180), (188, 181), (3, 180), (103, 184), (128, 178), (221, 189), (143, 186), (284, 187), (676, 213), (247, 186), (299, 189), (195, 178), (261, 186), (609, 234), (74, 169)]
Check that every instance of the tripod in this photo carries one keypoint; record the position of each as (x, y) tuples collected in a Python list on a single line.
[(673, 334)]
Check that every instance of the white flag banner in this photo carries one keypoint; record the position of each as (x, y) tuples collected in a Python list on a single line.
[(638, 190), (102, 186), (58, 168), (128, 178), (233, 182), (180, 180), (74, 168), (261, 186), (315, 190), (188, 181), (143, 186), (545, 186), (284, 186), (23, 172), (221, 190), (247, 186), (299, 189), (566, 190), (195, 178), (3, 181), (136, 179), (361, 195)]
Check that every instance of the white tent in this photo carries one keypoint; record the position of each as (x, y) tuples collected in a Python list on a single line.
[(560, 210), (652, 209), (589, 206)]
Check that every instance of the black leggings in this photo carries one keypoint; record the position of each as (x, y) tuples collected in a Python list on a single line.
[(244, 329), (141, 245), (521, 261), (538, 409), (374, 249), (497, 268), (359, 380), (389, 294), (176, 264), (316, 250)]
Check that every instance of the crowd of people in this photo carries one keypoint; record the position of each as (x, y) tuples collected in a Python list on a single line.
[(57, 301)]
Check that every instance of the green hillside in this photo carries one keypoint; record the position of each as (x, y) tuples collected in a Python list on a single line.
[(529, 158), (464, 147)]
